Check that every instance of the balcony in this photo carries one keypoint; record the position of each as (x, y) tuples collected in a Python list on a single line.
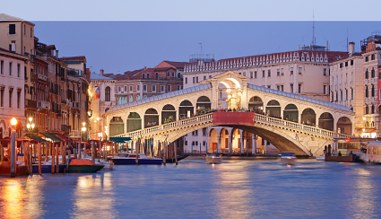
[(75, 134), (42, 77), (31, 104), (43, 105)]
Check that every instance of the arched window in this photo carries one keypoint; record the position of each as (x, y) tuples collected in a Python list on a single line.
[(107, 93)]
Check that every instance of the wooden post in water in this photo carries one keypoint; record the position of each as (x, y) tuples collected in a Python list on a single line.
[(53, 159), (137, 150), (63, 152), (39, 159), (30, 159), (165, 153), (175, 150), (57, 159), (1, 153), (92, 151)]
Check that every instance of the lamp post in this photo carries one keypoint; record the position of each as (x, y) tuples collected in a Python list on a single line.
[(13, 146)]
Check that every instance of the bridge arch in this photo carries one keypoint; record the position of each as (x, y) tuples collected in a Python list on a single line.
[(213, 140), (291, 113), (224, 140), (186, 108), (151, 118), (203, 104), (116, 126), (236, 140), (308, 117), (273, 109), (326, 121), (134, 122), (168, 114), (344, 125), (256, 105)]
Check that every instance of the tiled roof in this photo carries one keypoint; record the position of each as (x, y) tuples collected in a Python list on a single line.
[(74, 58), (299, 97), (9, 18), (164, 96)]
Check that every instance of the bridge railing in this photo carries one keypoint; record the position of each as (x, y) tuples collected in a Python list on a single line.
[(297, 126), (171, 125)]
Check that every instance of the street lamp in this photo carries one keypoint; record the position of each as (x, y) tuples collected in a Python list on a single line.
[(30, 125), (13, 146), (83, 130)]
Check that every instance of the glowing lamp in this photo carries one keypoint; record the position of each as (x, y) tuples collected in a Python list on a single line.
[(13, 121)]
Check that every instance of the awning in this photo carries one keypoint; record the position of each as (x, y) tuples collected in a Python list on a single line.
[(52, 136), (120, 139), (61, 137), (37, 138)]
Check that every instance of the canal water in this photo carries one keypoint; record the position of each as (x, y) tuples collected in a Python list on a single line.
[(194, 189)]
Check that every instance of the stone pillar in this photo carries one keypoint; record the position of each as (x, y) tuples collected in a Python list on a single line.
[(230, 139), (241, 137), (218, 143), (254, 147), (265, 146), (245, 142)]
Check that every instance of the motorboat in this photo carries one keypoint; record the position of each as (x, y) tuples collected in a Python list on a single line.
[(134, 159), (213, 158), (83, 166), (287, 158), (370, 153)]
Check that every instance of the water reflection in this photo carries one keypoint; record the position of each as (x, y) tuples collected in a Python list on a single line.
[(363, 194), (94, 192), (233, 192), (18, 196)]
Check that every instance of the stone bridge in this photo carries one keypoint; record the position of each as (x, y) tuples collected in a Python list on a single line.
[(289, 121)]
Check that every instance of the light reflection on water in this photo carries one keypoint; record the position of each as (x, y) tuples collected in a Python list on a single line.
[(194, 189)]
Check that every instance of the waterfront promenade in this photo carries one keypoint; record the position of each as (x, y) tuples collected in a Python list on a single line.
[(194, 189)]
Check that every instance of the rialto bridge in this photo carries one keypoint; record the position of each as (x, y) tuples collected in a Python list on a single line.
[(289, 121)]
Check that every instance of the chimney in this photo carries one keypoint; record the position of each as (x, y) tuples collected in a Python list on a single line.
[(57, 53), (351, 48), (102, 72)]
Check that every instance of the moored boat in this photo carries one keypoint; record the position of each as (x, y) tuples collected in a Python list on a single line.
[(133, 159), (83, 166), (287, 158), (213, 158), (371, 153)]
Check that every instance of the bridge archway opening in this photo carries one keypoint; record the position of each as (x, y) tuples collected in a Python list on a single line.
[(308, 117), (116, 126), (134, 122), (229, 94), (236, 140), (326, 121), (273, 109), (256, 105), (344, 125), (151, 118), (213, 141), (203, 105), (291, 113), (168, 114), (224, 147), (186, 109)]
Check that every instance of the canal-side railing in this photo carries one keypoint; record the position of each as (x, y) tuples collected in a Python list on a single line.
[(260, 120)]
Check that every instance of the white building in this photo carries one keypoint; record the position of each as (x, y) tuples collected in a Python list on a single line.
[(12, 71)]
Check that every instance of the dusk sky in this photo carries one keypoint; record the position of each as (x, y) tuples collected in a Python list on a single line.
[(121, 35), (120, 46)]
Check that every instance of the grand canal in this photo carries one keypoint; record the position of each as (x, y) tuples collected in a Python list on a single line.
[(194, 189)]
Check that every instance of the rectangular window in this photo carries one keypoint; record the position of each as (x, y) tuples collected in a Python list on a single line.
[(1, 96), (12, 28), (300, 88), (292, 71), (131, 88), (10, 68), (153, 88), (144, 87), (10, 97), (186, 80), (351, 62), (18, 98), (251, 74), (196, 79), (292, 88), (162, 88), (263, 73), (138, 87), (1, 67), (324, 89), (204, 77), (168, 88), (324, 71), (269, 73), (18, 70), (255, 74)]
